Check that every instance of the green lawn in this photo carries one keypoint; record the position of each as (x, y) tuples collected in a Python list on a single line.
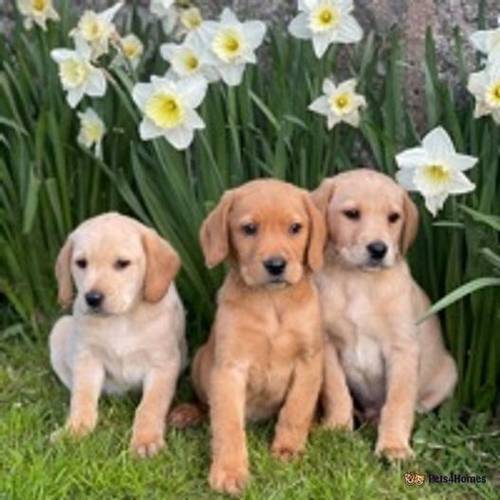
[(336, 465)]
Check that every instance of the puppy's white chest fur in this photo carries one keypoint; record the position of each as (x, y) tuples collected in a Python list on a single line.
[(361, 353), (120, 350)]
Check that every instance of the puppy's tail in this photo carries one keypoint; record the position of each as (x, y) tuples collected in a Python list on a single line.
[(186, 415)]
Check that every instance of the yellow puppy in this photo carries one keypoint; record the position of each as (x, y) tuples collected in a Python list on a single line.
[(370, 306), (264, 355), (127, 326)]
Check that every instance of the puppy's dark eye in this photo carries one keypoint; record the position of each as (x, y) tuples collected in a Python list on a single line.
[(121, 264), (295, 228), (249, 229), (81, 263), (352, 214), (394, 217)]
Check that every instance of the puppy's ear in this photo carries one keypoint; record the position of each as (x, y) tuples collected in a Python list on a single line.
[(63, 274), (410, 224), (214, 232), (162, 264), (317, 235), (322, 195)]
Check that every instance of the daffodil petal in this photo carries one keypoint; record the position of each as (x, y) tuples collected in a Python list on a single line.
[(299, 26), (148, 130), (321, 43), (232, 74), (460, 184), (59, 55), (348, 86), (96, 85), (328, 87), (180, 137), (412, 158), (332, 121), (193, 91), (406, 177), (461, 162), (478, 39), (438, 144), (320, 105), (352, 118), (74, 96), (140, 94), (194, 120), (254, 33), (349, 31), (229, 17), (435, 203), (108, 14)]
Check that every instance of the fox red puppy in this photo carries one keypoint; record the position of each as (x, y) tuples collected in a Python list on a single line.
[(265, 352)]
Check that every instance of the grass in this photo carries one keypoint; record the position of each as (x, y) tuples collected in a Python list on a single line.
[(336, 465)]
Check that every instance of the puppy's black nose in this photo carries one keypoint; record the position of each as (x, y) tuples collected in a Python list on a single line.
[(94, 299), (275, 265), (377, 250)]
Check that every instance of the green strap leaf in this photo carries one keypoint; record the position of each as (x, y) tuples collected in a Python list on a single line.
[(459, 293)]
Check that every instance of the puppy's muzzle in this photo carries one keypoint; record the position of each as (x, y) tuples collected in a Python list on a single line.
[(275, 266), (377, 250), (94, 299)]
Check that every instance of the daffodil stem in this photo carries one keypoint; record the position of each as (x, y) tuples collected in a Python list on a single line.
[(233, 120)]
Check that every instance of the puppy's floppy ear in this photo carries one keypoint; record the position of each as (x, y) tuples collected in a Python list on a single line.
[(214, 232), (317, 235), (162, 264), (322, 195), (410, 224), (63, 274)]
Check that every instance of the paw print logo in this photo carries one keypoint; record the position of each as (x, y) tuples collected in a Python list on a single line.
[(414, 478)]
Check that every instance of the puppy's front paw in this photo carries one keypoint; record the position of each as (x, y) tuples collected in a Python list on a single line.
[(79, 426), (394, 450), (286, 449), (146, 443), (340, 421), (228, 478)]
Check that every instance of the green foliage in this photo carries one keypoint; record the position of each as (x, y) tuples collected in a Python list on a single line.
[(48, 184), (335, 465)]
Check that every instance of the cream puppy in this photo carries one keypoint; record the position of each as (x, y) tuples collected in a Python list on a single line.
[(127, 327), (370, 304)]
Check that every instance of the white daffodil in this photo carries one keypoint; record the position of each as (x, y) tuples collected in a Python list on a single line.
[(339, 104), (166, 11), (169, 109), (78, 76), (161, 8), (232, 45), (435, 169), (92, 130), (97, 29), (326, 22), (37, 12), (487, 42), (485, 85), (187, 59), (131, 50), (191, 18)]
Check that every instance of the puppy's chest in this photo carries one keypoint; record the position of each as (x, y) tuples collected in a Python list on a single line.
[(124, 358)]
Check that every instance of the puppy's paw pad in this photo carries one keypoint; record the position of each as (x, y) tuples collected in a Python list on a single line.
[(185, 415), (146, 446), (395, 452), (228, 479)]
